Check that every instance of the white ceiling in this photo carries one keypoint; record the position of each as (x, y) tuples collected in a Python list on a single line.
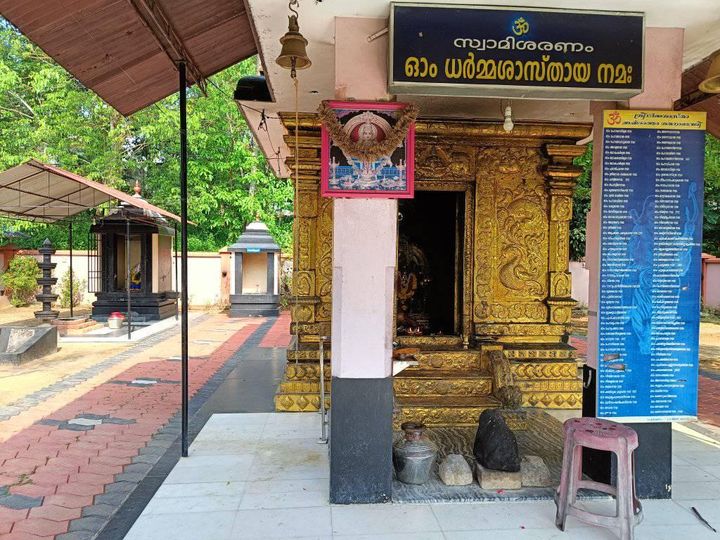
[(699, 18)]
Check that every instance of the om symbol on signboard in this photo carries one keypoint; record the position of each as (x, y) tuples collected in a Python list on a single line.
[(520, 26)]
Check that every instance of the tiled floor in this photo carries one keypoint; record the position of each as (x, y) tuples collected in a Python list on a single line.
[(264, 476)]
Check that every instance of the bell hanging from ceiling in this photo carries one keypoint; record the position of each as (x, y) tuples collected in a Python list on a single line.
[(293, 54), (711, 84)]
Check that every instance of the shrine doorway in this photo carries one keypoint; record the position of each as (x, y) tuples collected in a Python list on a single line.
[(429, 279)]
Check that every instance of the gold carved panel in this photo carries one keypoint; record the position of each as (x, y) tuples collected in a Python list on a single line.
[(324, 258), (448, 162), (511, 236)]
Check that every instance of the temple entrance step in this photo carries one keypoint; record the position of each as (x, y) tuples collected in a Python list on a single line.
[(445, 410), (431, 382), (299, 401), (446, 360)]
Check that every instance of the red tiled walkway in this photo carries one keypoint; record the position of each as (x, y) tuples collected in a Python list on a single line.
[(68, 468), (709, 400), (279, 335)]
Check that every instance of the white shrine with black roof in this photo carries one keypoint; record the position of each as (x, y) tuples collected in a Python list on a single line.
[(255, 273)]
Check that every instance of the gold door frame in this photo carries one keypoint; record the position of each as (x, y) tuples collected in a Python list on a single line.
[(465, 311)]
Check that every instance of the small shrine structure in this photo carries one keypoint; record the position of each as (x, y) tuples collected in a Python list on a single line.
[(255, 272), (132, 264)]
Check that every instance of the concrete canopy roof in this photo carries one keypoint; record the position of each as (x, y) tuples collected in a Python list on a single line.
[(126, 50), (36, 191)]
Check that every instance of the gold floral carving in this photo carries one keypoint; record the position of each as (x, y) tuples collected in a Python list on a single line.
[(553, 400), (560, 284), (544, 370), (324, 248), (441, 387), (561, 208), (304, 371), (302, 313), (553, 385), (436, 161), (454, 416), (560, 314), (304, 283), (511, 230), (307, 203)]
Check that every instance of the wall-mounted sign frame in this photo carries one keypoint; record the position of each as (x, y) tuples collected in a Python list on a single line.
[(363, 125), (651, 220), (466, 50)]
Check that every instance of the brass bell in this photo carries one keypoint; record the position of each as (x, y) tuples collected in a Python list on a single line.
[(293, 54), (711, 84)]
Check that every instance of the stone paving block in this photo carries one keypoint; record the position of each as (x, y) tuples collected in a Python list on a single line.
[(78, 488), (33, 490), (76, 535), (138, 468), (20, 502), (69, 501), (90, 523), (55, 513), (147, 458), (123, 487), (101, 510), (491, 479), (115, 498), (40, 526), (134, 477)]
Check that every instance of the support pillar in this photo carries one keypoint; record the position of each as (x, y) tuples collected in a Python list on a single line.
[(364, 255), (663, 76)]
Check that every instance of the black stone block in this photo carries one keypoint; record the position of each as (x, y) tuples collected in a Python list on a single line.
[(495, 444)]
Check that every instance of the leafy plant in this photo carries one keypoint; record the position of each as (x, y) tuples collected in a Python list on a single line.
[(47, 114), (581, 205), (20, 280), (63, 290)]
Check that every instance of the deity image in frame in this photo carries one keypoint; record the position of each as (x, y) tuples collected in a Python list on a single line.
[(390, 176)]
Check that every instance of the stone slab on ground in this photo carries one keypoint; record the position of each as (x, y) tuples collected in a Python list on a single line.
[(491, 479), (454, 471), (534, 472)]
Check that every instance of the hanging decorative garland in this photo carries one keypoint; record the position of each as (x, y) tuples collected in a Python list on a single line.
[(367, 152)]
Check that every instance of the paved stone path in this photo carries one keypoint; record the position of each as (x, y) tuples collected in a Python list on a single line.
[(279, 334), (62, 477)]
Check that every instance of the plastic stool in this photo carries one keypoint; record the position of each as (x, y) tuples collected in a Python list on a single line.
[(600, 435)]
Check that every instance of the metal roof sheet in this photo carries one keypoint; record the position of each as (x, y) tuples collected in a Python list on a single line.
[(36, 191), (126, 50)]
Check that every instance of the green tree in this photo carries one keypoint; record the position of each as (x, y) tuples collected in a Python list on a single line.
[(46, 114), (711, 221), (581, 205)]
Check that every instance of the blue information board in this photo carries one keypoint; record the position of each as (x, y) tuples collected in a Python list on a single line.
[(650, 249)]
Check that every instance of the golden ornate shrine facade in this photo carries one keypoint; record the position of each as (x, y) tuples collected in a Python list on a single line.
[(516, 303)]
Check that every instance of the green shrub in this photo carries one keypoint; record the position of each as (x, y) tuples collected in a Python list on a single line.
[(63, 290), (20, 280)]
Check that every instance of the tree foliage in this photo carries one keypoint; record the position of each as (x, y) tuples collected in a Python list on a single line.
[(711, 211), (711, 222), (48, 115), (20, 280), (581, 205)]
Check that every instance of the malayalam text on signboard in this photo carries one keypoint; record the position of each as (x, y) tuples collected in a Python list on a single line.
[(514, 52), (650, 247)]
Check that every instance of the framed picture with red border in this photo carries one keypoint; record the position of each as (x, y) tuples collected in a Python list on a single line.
[(364, 125)]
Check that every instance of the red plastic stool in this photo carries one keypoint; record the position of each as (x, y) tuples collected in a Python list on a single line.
[(600, 435)]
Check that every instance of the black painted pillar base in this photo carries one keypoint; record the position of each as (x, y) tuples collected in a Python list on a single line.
[(361, 441), (653, 458)]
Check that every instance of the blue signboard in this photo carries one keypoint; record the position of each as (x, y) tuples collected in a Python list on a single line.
[(508, 52), (650, 256)]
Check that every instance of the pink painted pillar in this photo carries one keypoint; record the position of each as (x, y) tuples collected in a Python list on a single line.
[(663, 74), (364, 255)]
